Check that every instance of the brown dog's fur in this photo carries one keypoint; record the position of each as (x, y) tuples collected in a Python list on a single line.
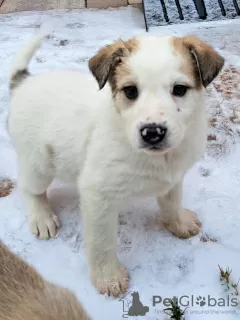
[(25, 295)]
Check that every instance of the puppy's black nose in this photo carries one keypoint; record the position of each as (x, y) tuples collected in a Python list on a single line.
[(153, 134)]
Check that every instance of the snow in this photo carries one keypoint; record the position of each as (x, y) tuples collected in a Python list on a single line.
[(155, 16), (159, 264)]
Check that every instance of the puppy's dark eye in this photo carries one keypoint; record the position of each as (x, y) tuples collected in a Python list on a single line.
[(131, 92), (179, 90)]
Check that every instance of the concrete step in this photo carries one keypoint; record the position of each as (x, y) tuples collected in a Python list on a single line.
[(39, 5), (7, 6), (106, 3), (134, 1)]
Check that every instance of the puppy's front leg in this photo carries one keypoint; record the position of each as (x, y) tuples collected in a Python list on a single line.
[(100, 218), (183, 223)]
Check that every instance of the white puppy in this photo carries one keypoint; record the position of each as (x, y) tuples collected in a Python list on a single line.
[(137, 136)]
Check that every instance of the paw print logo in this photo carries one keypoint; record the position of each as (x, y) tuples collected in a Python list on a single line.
[(201, 301)]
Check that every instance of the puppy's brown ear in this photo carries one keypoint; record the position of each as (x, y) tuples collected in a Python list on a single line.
[(103, 64), (207, 61), (105, 61)]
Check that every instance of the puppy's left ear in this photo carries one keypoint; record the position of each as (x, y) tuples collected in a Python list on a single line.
[(208, 62), (105, 61)]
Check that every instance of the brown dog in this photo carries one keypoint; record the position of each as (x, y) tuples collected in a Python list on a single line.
[(25, 295)]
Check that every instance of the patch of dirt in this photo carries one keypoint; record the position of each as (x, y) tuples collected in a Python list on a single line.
[(228, 83), (75, 25), (211, 137), (224, 112), (40, 60), (62, 43), (207, 238), (204, 172), (6, 187)]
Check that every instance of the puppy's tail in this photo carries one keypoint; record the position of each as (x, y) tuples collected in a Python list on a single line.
[(19, 70)]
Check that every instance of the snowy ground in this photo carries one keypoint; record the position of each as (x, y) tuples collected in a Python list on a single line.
[(159, 264), (155, 16)]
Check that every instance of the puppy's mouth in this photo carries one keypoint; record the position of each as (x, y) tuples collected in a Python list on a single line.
[(156, 149)]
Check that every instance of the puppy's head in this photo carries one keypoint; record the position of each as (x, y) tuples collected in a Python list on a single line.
[(157, 85)]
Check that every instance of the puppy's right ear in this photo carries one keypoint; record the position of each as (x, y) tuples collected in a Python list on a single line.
[(102, 65)]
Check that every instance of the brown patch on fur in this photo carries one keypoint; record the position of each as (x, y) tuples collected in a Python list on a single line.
[(6, 187), (18, 78), (25, 295), (200, 61), (109, 62)]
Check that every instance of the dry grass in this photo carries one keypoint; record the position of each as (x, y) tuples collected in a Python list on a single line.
[(226, 279)]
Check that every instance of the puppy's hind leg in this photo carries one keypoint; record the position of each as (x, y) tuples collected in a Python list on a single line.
[(33, 184)]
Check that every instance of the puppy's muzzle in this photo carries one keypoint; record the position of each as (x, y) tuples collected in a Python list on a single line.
[(152, 135)]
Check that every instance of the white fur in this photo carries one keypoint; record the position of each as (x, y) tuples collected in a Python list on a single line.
[(22, 59), (63, 126)]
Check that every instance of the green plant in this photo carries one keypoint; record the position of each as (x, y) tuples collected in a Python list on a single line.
[(175, 312)]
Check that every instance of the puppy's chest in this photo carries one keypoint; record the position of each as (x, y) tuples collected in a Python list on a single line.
[(156, 182), (147, 186), (146, 177), (147, 180)]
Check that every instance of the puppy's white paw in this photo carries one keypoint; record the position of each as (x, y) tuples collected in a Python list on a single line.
[(44, 226), (186, 226), (113, 283)]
